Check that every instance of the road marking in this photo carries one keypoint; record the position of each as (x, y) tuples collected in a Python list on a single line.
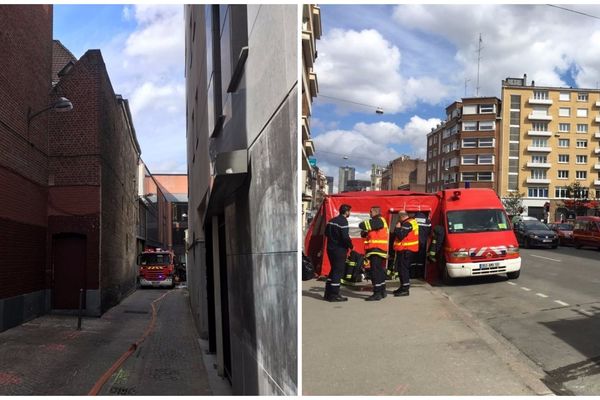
[(526, 289), (546, 258), (562, 303), (512, 283), (585, 312), (541, 295)]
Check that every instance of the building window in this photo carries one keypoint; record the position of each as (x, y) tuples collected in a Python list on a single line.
[(469, 143), (513, 181), (582, 112), (513, 149), (486, 142), (469, 109), (579, 159), (540, 126), (486, 109), (468, 176), (581, 144), (564, 96), (538, 192), (539, 159), (538, 174), (582, 97), (563, 174), (539, 142), (486, 159), (562, 127), (560, 192), (469, 126), (487, 125), (469, 159), (515, 135), (580, 175), (484, 176), (515, 117), (564, 112), (563, 158), (540, 95), (563, 142), (582, 128), (515, 102)]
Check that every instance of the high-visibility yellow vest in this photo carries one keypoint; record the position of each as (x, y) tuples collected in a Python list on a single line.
[(411, 241)]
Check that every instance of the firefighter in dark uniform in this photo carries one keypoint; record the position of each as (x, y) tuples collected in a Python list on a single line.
[(437, 242), (338, 244), (424, 230), (375, 231), (406, 246)]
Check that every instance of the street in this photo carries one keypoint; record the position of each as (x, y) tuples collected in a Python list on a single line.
[(551, 313), (48, 356)]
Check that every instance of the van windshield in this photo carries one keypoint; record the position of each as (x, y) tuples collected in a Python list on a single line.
[(155, 259), (470, 221)]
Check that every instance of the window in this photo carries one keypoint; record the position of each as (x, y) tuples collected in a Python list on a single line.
[(470, 109), (513, 149), (540, 95), (469, 143), (539, 159), (582, 97), (579, 159), (486, 159), (486, 109), (513, 165), (582, 112), (564, 127), (469, 126), (564, 96), (538, 174), (580, 175), (485, 176), (515, 117), (563, 174), (515, 135), (538, 192), (468, 176), (486, 142), (539, 142), (540, 126), (563, 158), (486, 125), (564, 112), (515, 102), (560, 192), (563, 142), (582, 128), (581, 144), (469, 159), (513, 181)]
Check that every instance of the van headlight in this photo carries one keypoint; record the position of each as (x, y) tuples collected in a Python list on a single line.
[(512, 250), (460, 254)]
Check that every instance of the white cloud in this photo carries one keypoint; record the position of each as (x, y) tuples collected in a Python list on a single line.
[(538, 40), (364, 67), (366, 144)]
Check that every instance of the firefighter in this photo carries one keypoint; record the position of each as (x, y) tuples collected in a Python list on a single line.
[(406, 246), (424, 230), (437, 242), (375, 231), (338, 244)]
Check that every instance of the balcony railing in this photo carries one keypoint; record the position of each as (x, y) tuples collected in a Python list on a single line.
[(533, 164), (540, 117), (539, 133), (546, 102), (538, 180), (539, 149)]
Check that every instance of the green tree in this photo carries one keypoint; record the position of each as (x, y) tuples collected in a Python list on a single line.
[(513, 202)]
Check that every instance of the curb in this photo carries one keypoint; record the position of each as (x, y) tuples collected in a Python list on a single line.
[(530, 373)]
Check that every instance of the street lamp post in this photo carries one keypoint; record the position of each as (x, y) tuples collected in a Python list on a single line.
[(61, 105)]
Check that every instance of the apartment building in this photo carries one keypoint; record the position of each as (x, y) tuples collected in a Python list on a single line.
[(345, 174), (404, 173), (311, 32), (550, 140), (463, 150)]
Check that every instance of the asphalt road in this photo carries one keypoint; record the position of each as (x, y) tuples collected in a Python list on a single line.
[(551, 313)]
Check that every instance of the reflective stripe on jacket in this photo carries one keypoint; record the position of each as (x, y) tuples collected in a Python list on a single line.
[(377, 242), (411, 241)]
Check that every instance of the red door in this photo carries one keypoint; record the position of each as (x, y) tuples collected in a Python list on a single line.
[(68, 270)]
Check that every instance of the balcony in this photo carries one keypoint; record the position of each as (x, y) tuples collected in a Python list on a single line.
[(538, 180), (597, 182), (533, 164), (539, 133), (313, 84), (545, 102), (598, 104), (597, 166), (539, 117), (597, 150), (597, 135), (597, 119), (309, 148), (539, 149)]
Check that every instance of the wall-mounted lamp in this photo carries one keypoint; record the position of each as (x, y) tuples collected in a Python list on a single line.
[(61, 105)]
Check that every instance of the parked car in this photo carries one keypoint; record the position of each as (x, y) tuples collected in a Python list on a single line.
[(564, 231), (586, 232), (535, 233)]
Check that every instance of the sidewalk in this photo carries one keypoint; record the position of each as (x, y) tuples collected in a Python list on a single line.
[(422, 344), (48, 356)]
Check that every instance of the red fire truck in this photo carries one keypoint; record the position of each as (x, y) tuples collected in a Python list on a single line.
[(157, 268), (478, 236)]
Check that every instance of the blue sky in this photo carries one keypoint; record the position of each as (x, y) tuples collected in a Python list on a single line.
[(412, 60), (143, 49)]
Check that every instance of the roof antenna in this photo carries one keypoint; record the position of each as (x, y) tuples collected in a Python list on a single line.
[(478, 62)]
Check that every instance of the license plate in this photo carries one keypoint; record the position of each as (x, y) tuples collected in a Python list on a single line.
[(489, 265), (155, 283), (547, 241)]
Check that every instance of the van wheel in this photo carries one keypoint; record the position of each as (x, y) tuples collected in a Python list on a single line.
[(577, 245), (513, 275)]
